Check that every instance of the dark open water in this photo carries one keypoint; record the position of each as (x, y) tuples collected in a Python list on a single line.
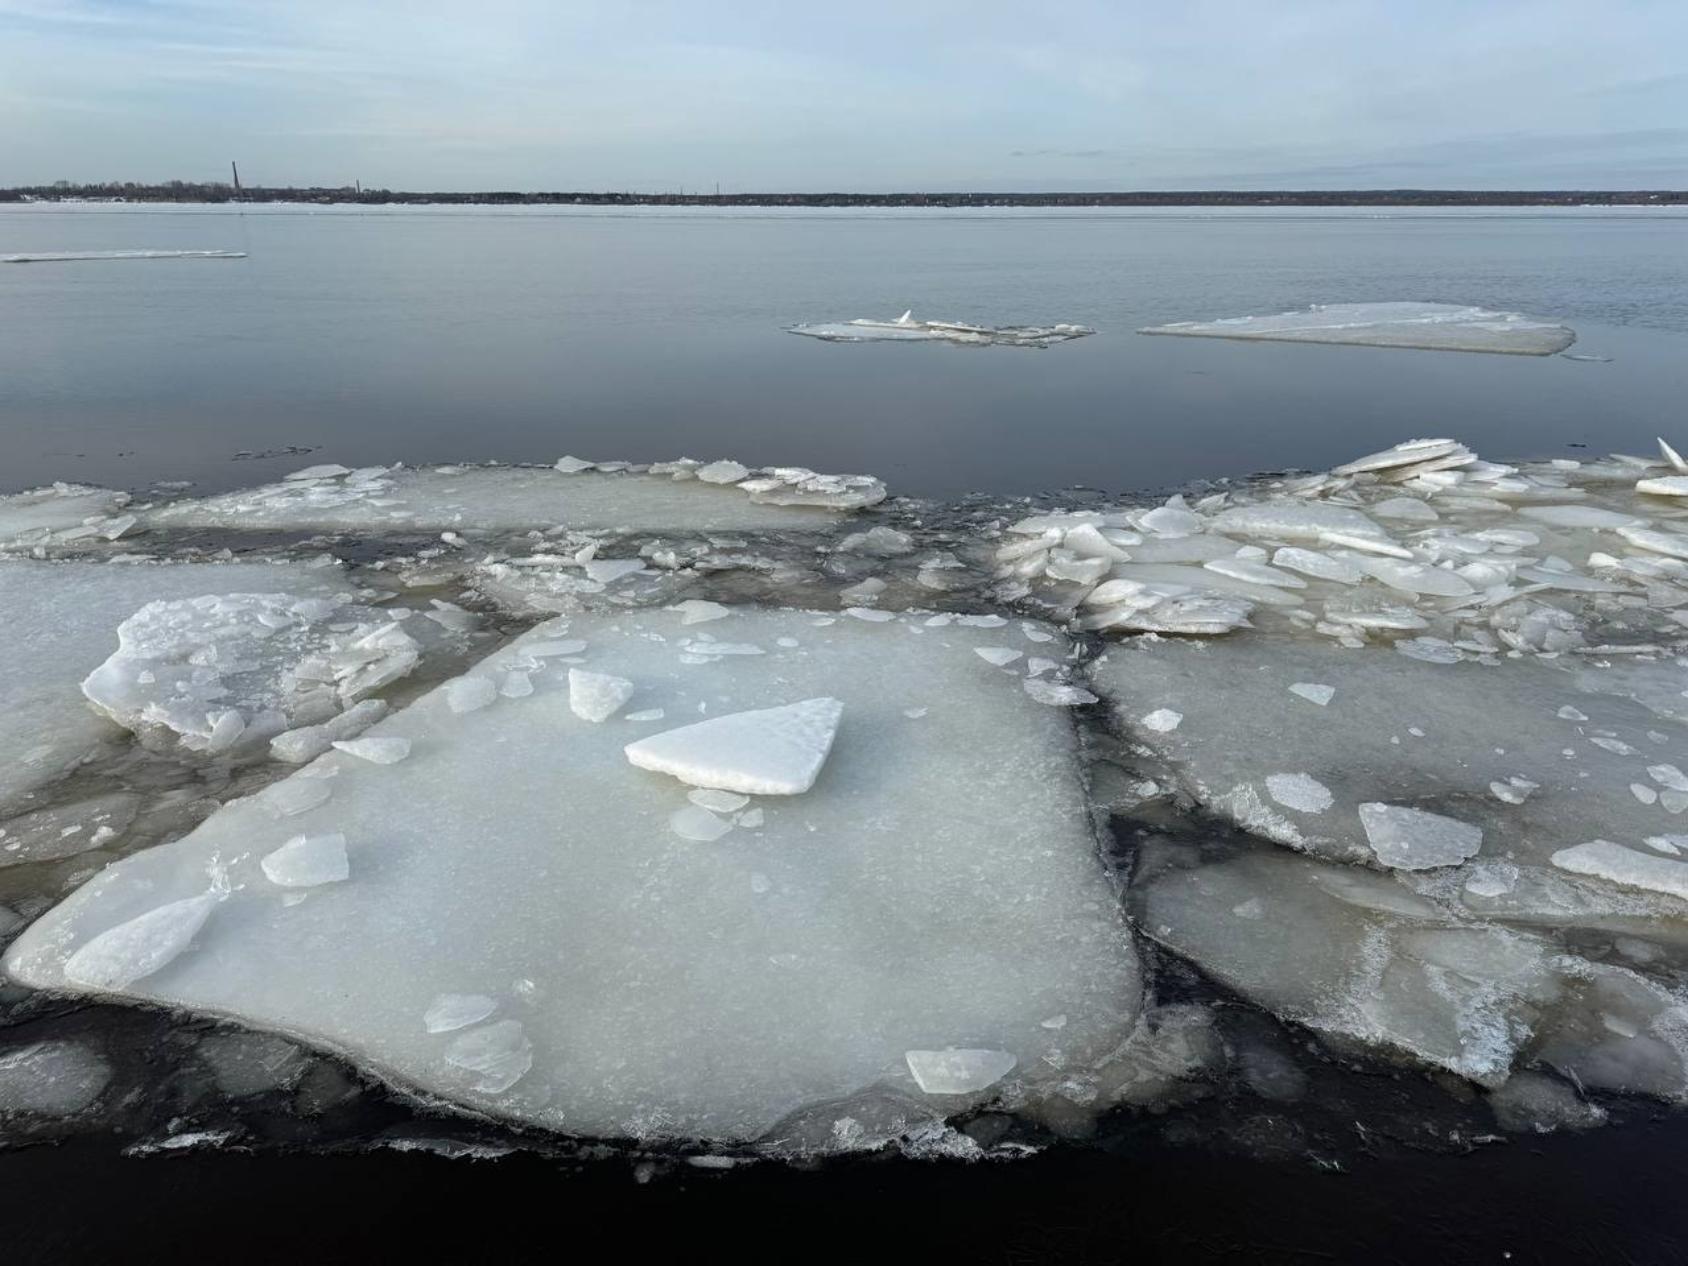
[(380, 335)]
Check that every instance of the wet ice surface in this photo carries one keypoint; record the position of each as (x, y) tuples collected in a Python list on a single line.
[(646, 984), (1385, 761), (1444, 327), (906, 329)]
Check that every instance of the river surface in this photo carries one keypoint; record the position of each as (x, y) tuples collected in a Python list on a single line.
[(518, 334)]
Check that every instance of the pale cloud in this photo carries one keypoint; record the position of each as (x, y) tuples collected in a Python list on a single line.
[(875, 94)]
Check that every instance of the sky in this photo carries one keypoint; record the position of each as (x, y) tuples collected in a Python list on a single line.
[(861, 95)]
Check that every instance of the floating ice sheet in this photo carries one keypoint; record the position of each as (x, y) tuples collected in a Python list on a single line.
[(936, 888), (1405, 751), (65, 257), (397, 499), (1359, 956), (1447, 327), (59, 621), (905, 329)]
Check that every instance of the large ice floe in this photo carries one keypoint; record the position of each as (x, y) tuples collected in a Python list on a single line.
[(58, 622), (576, 493), (906, 329), (1445, 327), (753, 883)]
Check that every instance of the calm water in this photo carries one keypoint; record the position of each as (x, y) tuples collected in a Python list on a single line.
[(421, 335)]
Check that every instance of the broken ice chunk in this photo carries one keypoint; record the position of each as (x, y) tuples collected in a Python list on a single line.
[(470, 693), (766, 752), (1302, 792), (718, 801), (698, 611), (958, 1072), (498, 1054), (723, 472), (377, 751), (1162, 720), (452, 1011), (308, 860), (1056, 694), (51, 1078), (1603, 859), (119, 956), (697, 823), (597, 696), (1414, 839), (998, 655), (1313, 692)]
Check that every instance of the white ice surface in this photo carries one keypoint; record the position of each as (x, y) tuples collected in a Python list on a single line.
[(58, 622), (937, 887), (764, 752), (1431, 326)]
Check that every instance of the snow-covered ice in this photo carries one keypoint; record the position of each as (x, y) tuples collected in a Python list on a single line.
[(765, 752), (1430, 326), (938, 886)]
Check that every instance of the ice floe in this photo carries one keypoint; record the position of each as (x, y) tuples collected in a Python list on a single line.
[(508, 498), (905, 329), (67, 257), (1430, 326), (519, 929)]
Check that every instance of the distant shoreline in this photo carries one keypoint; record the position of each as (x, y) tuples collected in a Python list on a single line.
[(182, 192)]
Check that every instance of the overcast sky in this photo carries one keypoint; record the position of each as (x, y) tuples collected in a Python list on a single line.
[(848, 94)]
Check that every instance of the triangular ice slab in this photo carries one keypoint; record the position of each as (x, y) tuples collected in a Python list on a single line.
[(937, 888), (768, 752)]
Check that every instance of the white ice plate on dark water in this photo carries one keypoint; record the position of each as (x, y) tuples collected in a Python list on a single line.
[(649, 959), (1447, 327)]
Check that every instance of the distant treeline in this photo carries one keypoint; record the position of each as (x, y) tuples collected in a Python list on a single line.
[(188, 191)]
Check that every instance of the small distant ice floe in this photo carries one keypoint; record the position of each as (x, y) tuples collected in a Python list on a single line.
[(71, 257), (906, 329), (1440, 327)]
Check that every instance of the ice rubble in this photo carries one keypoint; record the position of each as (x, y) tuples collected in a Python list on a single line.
[(61, 514), (906, 329), (1448, 327), (59, 621), (523, 930), (228, 670), (1544, 558), (575, 493)]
